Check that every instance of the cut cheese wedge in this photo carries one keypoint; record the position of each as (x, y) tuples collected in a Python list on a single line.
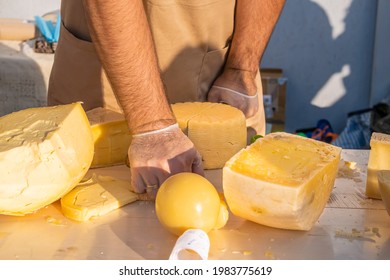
[(111, 137), (96, 196), (44, 153), (281, 180), (218, 131), (379, 159)]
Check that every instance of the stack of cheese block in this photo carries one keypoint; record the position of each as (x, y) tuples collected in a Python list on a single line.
[(44, 153), (282, 180), (218, 131), (379, 159)]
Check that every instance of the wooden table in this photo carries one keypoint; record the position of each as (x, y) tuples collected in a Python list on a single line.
[(351, 227)]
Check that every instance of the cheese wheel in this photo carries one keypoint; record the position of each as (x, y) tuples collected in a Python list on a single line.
[(282, 180), (379, 159), (111, 137), (217, 130), (44, 153), (96, 196)]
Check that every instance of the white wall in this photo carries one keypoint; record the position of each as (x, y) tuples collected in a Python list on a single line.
[(27, 9), (325, 48)]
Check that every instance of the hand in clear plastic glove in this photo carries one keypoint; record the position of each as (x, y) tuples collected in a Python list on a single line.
[(155, 156), (248, 104), (238, 89)]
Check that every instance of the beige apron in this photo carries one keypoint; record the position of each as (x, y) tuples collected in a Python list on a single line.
[(191, 38)]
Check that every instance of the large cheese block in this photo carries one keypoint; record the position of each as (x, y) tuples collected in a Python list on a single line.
[(96, 196), (282, 180), (111, 137), (217, 130), (379, 159), (44, 153)]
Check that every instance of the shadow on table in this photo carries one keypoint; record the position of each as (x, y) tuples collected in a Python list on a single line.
[(242, 239), (141, 231)]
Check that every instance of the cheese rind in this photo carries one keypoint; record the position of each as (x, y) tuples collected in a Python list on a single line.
[(281, 180), (111, 137), (44, 153), (218, 131), (96, 196), (379, 159)]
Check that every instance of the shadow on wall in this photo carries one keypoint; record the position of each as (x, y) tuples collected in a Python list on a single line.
[(22, 83), (326, 58)]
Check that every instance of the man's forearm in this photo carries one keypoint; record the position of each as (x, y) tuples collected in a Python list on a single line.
[(254, 23), (123, 41)]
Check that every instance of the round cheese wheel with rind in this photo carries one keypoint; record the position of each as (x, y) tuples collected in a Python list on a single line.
[(44, 153)]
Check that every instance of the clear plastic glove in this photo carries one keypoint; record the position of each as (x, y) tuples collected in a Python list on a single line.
[(237, 88), (156, 155), (248, 104)]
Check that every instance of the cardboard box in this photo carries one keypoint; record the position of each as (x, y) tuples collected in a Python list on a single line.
[(274, 95)]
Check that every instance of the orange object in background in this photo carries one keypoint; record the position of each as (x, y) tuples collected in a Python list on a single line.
[(16, 29)]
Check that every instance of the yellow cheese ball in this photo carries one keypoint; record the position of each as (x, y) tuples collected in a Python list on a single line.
[(189, 201)]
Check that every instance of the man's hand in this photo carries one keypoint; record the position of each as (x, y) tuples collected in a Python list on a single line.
[(156, 156), (253, 26), (238, 89)]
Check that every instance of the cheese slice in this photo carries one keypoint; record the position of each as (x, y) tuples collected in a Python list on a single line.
[(282, 180), (384, 187), (96, 196), (44, 153), (379, 159), (217, 130), (111, 137)]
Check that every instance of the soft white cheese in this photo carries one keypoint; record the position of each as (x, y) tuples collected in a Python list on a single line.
[(44, 153)]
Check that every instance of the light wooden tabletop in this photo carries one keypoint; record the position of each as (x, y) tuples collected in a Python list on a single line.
[(351, 227)]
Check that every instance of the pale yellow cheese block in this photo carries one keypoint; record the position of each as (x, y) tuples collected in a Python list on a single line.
[(217, 130), (379, 159), (384, 187), (281, 180), (111, 137), (44, 153), (96, 196)]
